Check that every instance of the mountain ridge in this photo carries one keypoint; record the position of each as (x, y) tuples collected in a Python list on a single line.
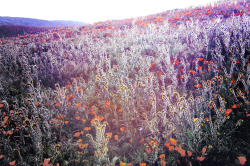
[(6, 20)]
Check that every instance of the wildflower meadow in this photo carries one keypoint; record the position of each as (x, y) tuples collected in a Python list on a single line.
[(161, 90)]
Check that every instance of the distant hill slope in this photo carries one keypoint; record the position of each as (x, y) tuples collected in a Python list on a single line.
[(36, 22), (15, 30)]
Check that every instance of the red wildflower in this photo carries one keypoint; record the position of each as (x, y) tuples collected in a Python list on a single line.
[(228, 111), (200, 158), (171, 148), (204, 150), (234, 106), (189, 153), (242, 160), (152, 65), (77, 134), (148, 150), (122, 129), (167, 145), (173, 141), (58, 105), (107, 104)]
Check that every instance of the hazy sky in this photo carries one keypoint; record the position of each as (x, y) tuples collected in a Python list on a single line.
[(90, 11)]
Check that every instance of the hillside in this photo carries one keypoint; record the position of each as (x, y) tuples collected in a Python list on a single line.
[(165, 89), (36, 22), (15, 30)]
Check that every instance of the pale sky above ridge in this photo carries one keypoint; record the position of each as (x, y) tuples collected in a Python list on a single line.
[(92, 10)]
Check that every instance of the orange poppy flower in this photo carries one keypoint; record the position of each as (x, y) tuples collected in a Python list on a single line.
[(46, 162), (173, 141), (242, 160), (66, 122), (9, 132), (247, 114), (189, 153), (107, 104), (182, 152), (204, 150), (201, 59), (192, 71), (131, 140), (78, 118), (200, 158), (152, 142), (96, 154), (80, 140), (87, 128), (143, 164), (58, 105), (228, 111), (77, 134), (142, 140), (109, 134), (234, 106), (125, 164), (152, 65), (171, 148), (167, 145), (101, 118), (78, 104), (84, 121), (122, 129), (82, 146), (116, 137), (148, 150), (97, 118), (162, 156), (5, 119), (163, 163), (12, 162)]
